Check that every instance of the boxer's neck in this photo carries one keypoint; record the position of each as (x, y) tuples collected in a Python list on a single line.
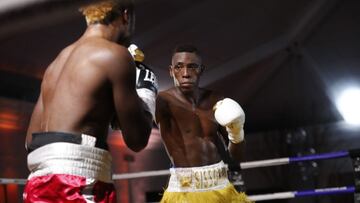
[(191, 96), (103, 31)]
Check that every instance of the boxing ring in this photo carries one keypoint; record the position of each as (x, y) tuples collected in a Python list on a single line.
[(352, 154)]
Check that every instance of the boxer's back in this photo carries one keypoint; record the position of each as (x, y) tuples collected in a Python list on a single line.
[(76, 93)]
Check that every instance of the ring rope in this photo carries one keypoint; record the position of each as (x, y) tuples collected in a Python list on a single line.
[(248, 165), (303, 193), (288, 160), (244, 165)]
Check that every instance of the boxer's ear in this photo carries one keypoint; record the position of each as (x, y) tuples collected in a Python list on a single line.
[(126, 16), (202, 68), (171, 71)]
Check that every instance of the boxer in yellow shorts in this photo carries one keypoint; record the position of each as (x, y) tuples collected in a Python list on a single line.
[(192, 121)]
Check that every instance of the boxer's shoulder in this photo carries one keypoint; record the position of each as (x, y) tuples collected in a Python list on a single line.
[(210, 96), (110, 58), (101, 49), (162, 106), (163, 98), (166, 94), (170, 97)]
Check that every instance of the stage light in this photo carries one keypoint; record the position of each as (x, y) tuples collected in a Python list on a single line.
[(348, 104)]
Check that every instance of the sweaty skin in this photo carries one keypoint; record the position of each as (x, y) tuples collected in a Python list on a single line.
[(185, 117), (90, 83)]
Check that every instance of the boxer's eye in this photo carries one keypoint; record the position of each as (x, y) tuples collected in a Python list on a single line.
[(194, 66), (179, 66)]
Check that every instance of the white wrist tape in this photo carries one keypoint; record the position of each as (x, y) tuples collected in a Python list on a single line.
[(149, 98), (235, 131)]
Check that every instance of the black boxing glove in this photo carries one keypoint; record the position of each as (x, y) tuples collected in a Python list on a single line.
[(146, 82), (146, 86)]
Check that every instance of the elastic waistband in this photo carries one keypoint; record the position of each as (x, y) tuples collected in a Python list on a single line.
[(73, 159), (40, 139), (197, 179)]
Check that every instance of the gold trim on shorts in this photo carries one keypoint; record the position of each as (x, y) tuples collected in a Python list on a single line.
[(204, 178)]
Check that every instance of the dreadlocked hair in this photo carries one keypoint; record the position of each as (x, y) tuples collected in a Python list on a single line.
[(105, 11)]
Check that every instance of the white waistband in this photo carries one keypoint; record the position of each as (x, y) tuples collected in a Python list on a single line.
[(73, 159), (198, 179)]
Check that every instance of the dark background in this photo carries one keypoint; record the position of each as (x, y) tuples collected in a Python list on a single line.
[(284, 61)]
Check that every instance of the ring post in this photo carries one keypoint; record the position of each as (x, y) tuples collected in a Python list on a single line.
[(355, 157)]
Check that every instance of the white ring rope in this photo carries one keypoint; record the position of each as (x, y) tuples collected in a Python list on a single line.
[(264, 163)]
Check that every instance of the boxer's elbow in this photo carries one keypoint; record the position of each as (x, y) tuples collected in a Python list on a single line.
[(141, 139), (138, 146)]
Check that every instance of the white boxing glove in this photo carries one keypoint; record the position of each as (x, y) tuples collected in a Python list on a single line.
[(229, 114)]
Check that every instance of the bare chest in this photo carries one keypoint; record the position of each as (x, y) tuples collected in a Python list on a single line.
[(193, 121)]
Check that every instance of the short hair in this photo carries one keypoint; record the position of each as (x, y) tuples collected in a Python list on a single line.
[(186, 48), (106, 11)]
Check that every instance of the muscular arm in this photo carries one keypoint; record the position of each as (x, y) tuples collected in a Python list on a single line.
[(236, 151), (134, 121)]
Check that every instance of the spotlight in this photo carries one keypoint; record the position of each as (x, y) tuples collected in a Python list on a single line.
[(348, 104)]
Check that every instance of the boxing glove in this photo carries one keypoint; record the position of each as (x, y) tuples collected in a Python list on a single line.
[(146, 86), (146, 82), (228, 113)]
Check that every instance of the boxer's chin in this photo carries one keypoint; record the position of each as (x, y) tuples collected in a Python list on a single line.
[(186, 89)]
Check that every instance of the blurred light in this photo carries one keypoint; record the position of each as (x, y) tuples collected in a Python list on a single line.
[(8, 116), (9, 121), (348, 104), (12, 193), (2, 193), (115, 138), (8, 126)]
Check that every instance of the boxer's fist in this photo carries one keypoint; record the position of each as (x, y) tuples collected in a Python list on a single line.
[(146, 82), (146, 86), (229, 114)]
